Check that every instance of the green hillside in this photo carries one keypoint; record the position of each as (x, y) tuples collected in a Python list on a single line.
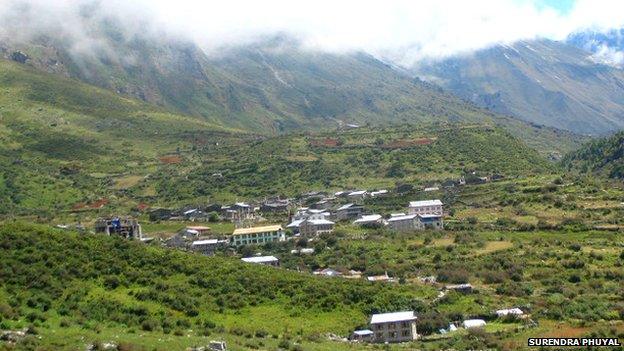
[(603, 156), (68, 286), (363, 158), (59, 138), (67, 145)]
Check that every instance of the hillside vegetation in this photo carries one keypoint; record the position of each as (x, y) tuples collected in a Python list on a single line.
[(70, 146), (59, 139), (51, 279), (603, 156), (363, 158)]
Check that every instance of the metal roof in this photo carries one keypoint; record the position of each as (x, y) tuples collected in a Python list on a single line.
[(260, 259), (205, 242), (473, 323), (368, 218), (393, 317), (319, 221), (344, 207), (401, 218), (267, 228), (435, 202)]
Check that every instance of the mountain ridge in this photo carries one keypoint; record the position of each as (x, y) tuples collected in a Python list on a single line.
[(543, 81)]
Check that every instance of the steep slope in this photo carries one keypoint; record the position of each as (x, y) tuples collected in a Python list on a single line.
[(544, 82), (270, 87), (603, 156)]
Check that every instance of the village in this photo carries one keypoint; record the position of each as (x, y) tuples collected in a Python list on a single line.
[(307, 217)]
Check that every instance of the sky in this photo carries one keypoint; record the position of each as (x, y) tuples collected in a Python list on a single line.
[(404, 31)]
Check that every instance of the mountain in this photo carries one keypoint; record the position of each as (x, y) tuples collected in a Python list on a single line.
[(603, 156), (543, 81), (607, 47), (270, 87), (66, 145)]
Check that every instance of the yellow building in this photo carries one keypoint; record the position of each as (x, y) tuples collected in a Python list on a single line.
[(257, 235)]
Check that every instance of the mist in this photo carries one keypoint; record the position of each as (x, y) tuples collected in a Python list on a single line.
[(403, 32)]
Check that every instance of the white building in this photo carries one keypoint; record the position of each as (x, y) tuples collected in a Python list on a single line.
[(473, 323), (379, 193), (426, 207), (257, 235), (509, 311), (394, 327), (266, 260)]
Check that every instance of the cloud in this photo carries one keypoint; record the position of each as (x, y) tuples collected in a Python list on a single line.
[(403, 31)]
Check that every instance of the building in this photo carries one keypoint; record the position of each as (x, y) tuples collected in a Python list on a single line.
[(364, 335), (240, 211), (265, 260), (327, 272), (128, 228), (257, 235), (276, 206), (431, 221), (208, 246), (198, 230), (426, 207), (381, 278), (509, 312), (196, 215), (348, 211), (379, 193), (462, 288), (394, 327), (405, 223), (473, 323), (357, 195), (314, 220), (314, 227), (373, 220)]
